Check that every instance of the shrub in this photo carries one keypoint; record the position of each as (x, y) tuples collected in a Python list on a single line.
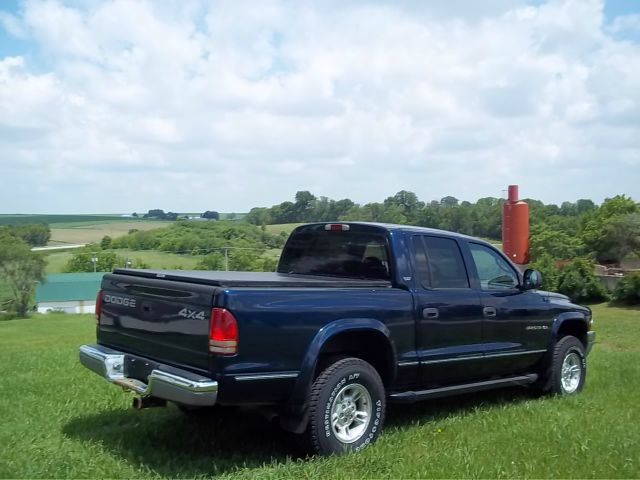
[(578, 282), (558, 244), (628, 290), (546, 265)]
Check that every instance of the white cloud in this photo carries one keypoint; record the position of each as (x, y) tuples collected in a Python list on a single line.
[(191, 105), (11, 24)]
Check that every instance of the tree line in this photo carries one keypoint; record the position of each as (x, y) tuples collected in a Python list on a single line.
[(606, 233), (222, 245), (35, 235), (565, 239)]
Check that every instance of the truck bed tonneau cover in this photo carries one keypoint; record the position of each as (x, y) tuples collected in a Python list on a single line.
[(253, 279)]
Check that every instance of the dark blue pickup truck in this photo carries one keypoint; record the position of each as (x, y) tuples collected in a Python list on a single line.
[(358, 315)]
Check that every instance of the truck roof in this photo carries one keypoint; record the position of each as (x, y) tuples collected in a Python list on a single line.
[(404, 228)]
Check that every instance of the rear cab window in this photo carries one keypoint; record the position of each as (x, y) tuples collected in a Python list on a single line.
[(353, 252), (439, 263)]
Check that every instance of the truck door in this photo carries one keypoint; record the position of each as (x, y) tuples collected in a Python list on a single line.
[(517, 322), (448, 313)]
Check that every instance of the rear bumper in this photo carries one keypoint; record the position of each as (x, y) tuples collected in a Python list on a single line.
[(591, 339), (176, 385)]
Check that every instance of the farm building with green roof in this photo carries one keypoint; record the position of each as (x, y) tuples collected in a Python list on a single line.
[(68, 292)]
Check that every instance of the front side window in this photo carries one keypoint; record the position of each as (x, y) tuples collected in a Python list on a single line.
[(493, 270)]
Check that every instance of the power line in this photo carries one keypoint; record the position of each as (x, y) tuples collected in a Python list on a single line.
[(194, 251)]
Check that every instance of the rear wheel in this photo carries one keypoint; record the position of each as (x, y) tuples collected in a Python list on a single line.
[(346, 407), (567, 370)]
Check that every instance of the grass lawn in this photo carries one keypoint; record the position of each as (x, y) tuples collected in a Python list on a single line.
[(281, 227), (60, 420)]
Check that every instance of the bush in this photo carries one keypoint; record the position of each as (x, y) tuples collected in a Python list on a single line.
[(578, 282), (546, 265), (555, 243), (628, 290)]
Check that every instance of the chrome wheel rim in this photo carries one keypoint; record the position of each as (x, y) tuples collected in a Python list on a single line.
[(351, 413), (571, 372)]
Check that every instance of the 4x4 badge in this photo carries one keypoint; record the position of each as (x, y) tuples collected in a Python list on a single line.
[(194, 314)]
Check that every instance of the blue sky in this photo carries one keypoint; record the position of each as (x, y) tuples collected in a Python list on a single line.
[(191, 105)]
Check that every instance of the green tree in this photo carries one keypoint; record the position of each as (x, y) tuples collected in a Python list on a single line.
[(449, 201), (546, 265), (20, 268), (245, 261), (610, 231), (584, 206), (407, 202), (259, 216), (211, 215), (105, 242), (616, 238), (578, 282), (36, 235), (627, 290), (303, 207), (214, 261), (81, 260), (555, 243)]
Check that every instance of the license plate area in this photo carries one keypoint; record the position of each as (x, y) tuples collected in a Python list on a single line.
[(138, 368)]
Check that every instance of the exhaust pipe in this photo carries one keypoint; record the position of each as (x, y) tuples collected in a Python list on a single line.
[(147, 402)]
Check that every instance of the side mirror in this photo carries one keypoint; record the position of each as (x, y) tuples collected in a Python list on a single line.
[(532, 279)]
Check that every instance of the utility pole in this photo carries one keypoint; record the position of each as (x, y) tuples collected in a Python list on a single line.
[(226, 259), (94, 260)]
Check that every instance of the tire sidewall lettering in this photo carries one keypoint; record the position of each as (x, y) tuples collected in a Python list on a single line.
[(374, 425)]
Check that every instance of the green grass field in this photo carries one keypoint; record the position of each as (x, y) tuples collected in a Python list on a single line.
[(56, 261), (61, 421), (281, 227)]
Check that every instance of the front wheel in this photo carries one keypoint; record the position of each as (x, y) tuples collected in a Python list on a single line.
[(567, 371), (346, 407)]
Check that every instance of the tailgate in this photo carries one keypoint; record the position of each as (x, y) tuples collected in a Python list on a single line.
[(159, 319)]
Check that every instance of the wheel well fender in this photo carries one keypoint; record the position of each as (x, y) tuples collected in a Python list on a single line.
[(374, 345), (570, 323)]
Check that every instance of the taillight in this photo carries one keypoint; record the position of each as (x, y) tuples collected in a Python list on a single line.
[(98, 306), (223, 332)]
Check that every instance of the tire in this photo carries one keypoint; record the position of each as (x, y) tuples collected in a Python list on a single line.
[(567, 369), (346, 408)]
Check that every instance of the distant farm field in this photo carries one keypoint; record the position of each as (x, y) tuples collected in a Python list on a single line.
[(74, 229), (87, 232), (56, 219), (62, 421)]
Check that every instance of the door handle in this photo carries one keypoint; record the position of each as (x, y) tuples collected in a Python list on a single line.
[(430, 313), (489, 311)]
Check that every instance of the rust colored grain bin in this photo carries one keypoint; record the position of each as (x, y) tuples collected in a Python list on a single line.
[(515, 228)]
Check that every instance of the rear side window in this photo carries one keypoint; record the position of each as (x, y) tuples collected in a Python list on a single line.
[(350, 254), (439, 263)]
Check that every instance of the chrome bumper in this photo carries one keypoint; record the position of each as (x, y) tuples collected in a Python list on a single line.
[(181, 387), (591, 339)]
